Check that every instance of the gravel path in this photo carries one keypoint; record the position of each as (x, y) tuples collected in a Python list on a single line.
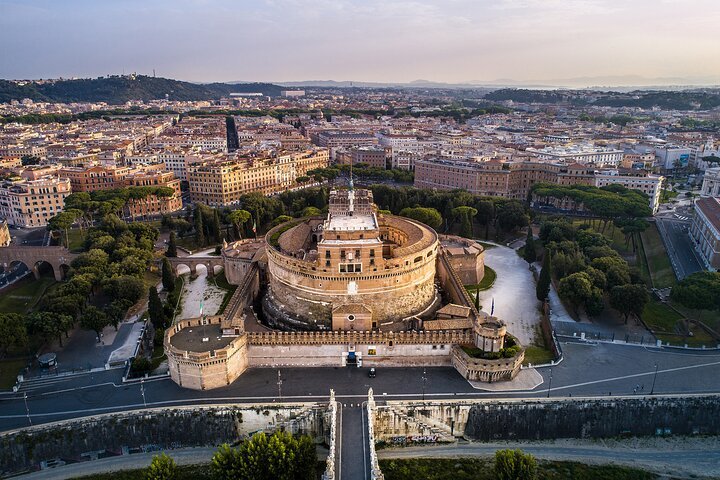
[(675, 456), (514, 293)]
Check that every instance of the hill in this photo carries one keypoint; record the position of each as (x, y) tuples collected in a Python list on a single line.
[(120, 89)]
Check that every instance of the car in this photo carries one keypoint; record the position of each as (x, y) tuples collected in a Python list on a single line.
[(372, 373)]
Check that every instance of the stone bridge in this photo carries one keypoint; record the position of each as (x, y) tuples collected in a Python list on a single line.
[(192, 263), (58, 258)]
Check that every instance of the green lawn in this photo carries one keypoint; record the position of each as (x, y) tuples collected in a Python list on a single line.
[(658, 262), (487, 281), (659, 317), (23, 295), (76, 240), (185, 472), (486, 246), (9, 370), (482, 469), (222, 282), (537, 355)]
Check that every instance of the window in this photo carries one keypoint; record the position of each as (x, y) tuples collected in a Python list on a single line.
[(350, 267)]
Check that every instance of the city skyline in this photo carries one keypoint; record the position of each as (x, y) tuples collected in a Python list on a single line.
[(592, 42)]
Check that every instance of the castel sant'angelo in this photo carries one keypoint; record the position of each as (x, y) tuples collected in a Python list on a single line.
[(356, 286)]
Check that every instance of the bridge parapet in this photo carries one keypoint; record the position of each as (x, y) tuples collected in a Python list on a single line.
[(57, 257)]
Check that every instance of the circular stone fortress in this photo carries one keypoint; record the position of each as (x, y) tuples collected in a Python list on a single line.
[(357, 269), (355, 287)]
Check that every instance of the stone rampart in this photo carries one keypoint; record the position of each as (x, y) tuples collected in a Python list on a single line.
[(540, 419), (154, 429), (486, 370)]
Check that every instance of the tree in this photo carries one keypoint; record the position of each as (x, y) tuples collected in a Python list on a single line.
[(511, 215), (464, 215), (310, 212), (515, 465), (542, 289), (428, 216), (576, 288), (13, 332), (267, 457), (700, 290), (62, 222), (168, 275), (94, 319), (199, 227), (116, 312), (172, 246), (529, 255), (280, 219), (162, 467), (238, 218), (217, 233), (155, 308), (125, 287)]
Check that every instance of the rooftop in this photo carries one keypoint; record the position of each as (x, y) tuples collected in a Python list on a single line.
[(351, 222), (710, 207), (192, 338)]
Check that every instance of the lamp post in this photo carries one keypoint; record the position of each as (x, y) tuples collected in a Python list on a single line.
[(142, 391), (279, 384), (424, 380), (652, 390), (549, 384), (27, 409)]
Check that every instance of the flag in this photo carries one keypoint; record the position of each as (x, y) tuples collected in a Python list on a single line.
[(492, 307), (201, 307), (254, 227)]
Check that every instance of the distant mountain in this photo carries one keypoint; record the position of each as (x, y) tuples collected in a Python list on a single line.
[(120, 89), (616, 82), (697, 99)]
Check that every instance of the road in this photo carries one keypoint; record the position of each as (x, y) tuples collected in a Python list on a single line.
[(697, 462), (354, 449), (679, 246), (588, 370)]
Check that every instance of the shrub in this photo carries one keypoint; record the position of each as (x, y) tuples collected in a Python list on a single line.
[(515, 465)]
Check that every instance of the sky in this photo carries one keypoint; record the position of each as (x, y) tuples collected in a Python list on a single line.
[(455, 41)]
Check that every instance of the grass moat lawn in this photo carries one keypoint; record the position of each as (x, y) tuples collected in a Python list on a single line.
[(482, 469), (431, 469)]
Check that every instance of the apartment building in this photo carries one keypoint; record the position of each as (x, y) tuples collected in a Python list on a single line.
[(583, 154), (515, 179), (95, 177), (99, 177), (334, 139), (491, 178), (705, 231), (650, 185), (372, 156), (153, 204), (223, 180), (31, 203)]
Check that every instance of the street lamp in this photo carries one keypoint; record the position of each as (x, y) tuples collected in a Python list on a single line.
[(27, 409), (424, 380), (549, 384), (142, 391), (279, 384), (652, 390)]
